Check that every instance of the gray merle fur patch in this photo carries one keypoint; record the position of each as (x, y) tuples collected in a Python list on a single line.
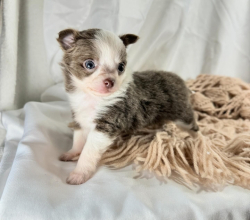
[(152, 98)]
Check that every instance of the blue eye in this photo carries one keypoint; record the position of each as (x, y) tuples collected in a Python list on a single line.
[(121, 67), (89, 64)]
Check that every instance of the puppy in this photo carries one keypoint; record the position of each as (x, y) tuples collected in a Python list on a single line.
[(108, 101)]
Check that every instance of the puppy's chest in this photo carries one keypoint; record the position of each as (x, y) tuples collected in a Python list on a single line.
[(85, 108)]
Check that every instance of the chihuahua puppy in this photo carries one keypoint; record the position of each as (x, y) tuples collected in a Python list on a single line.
[(107, 101)]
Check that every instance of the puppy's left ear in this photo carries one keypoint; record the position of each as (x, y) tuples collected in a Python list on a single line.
[(128, 39), (67, 38)]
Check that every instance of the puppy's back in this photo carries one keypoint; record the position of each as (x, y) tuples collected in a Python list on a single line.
[(160, 85), (167, 96)]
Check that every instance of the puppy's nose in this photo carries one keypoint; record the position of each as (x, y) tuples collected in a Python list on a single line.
[(109, 83)]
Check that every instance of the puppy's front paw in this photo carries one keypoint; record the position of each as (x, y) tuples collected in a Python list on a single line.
[(69, 156), (77, 178)]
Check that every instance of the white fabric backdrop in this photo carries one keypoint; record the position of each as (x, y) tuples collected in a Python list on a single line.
[(188, 37), (24, 71), (185, 36), (8, 53)]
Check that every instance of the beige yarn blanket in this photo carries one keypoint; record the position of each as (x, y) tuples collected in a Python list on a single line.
[(218, 156)]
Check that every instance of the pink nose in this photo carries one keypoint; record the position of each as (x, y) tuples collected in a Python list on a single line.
[(109, 83)]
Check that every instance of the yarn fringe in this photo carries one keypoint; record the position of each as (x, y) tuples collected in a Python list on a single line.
[(218, 156)]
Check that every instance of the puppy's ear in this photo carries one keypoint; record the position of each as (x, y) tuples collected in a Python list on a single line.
[(128, 39), (67, 38)]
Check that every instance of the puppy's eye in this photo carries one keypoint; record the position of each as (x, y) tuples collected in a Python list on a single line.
[(121, 67), (89, 64)]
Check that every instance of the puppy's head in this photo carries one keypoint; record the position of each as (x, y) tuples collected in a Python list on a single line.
[(94, 60)]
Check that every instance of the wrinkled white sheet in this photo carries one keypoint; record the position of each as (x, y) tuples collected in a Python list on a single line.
[(185, 36), (188, 37), (32, 179)]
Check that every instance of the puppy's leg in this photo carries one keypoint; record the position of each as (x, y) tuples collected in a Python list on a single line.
[(97, 143), (79, 140)]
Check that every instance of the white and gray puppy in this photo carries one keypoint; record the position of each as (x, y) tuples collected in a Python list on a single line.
[(107, 101)]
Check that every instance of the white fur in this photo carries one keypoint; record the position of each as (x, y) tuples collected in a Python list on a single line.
[(97, 143), (110, 47), (79, 139)]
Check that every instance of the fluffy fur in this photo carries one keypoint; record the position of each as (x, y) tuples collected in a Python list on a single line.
[(108, 102)]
